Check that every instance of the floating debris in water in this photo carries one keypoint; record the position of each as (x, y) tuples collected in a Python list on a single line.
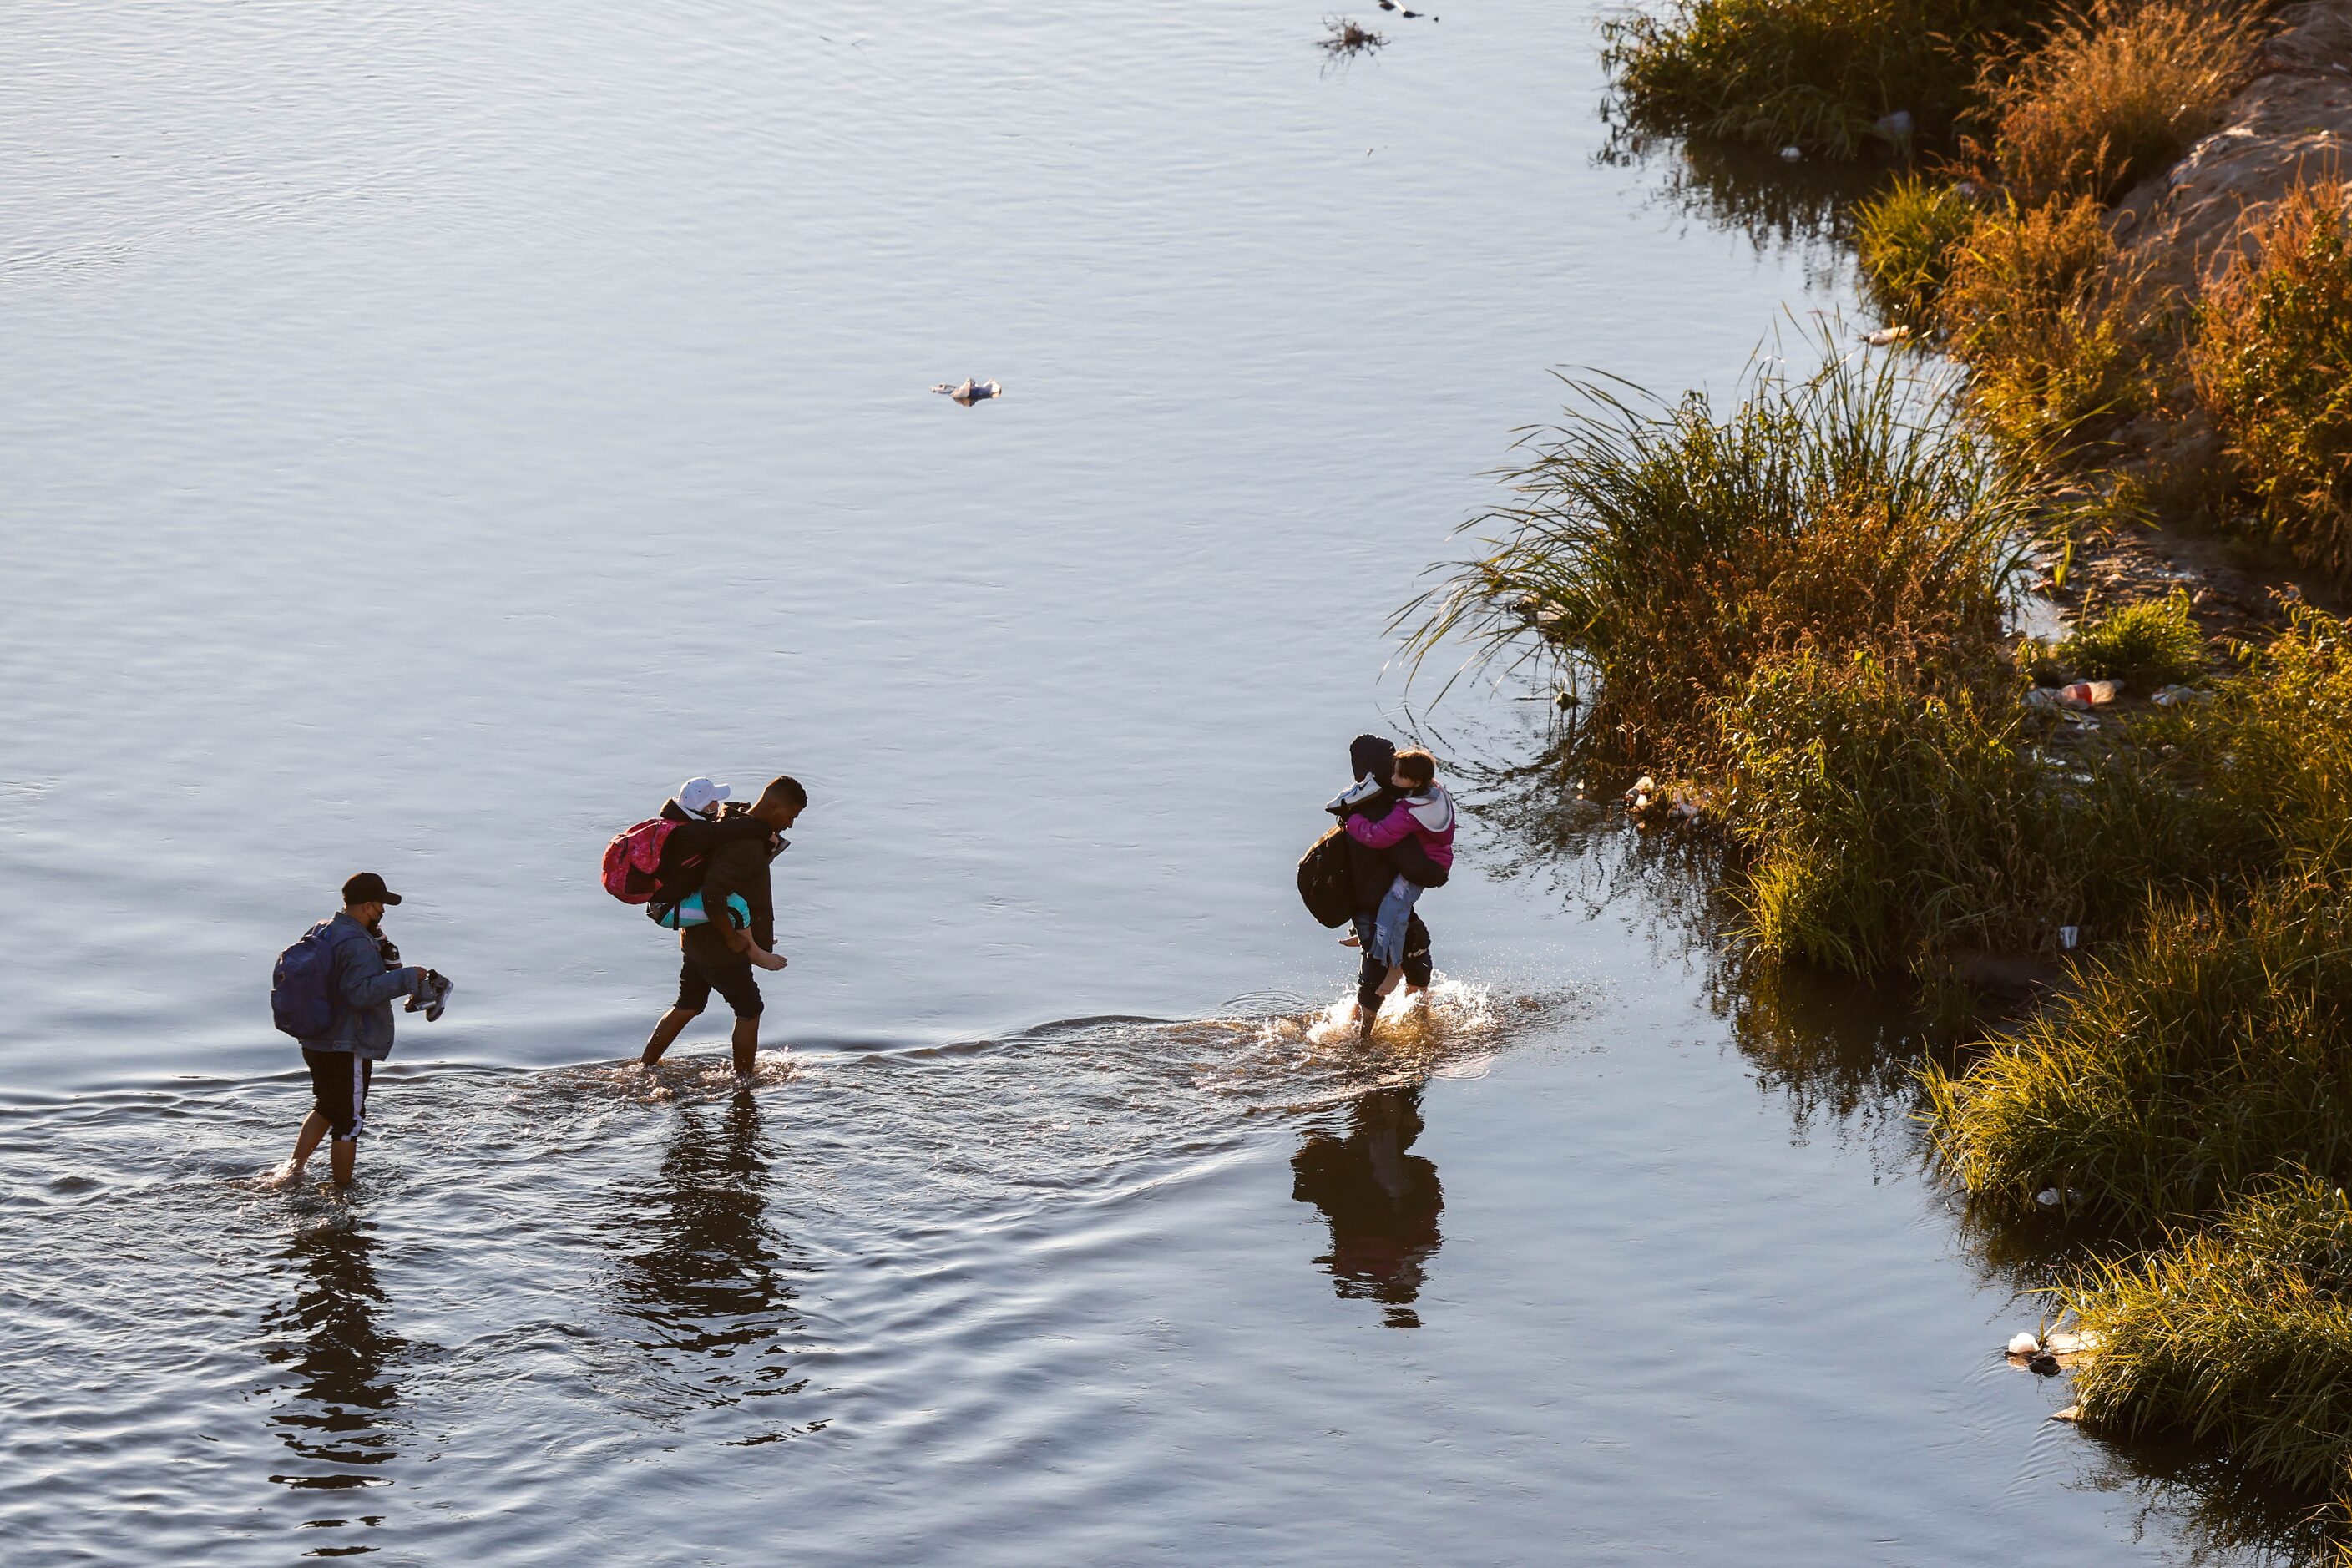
[(970, 392), (2024, 1344), (1887, 337), (1347, 37), (1791, 153)]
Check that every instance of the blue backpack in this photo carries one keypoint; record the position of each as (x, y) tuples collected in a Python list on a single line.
[(302, 988)]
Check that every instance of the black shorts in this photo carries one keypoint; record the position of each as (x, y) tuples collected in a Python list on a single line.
[(732, 981), (339, 1087)]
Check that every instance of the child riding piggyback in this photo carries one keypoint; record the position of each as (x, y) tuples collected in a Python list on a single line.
[(1425, 814)]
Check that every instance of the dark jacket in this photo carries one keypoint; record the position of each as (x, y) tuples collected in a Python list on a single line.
[(1376, 868), (737, 865), (687, 852), (362, 988)]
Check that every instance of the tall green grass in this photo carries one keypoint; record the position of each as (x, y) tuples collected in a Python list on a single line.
[(1887, 819), (1662, 553), (1907, 239), (2212, 1050), (1816, 74), (2242, 1334), (2214, 1045), (2151, 643), (2272, 361)]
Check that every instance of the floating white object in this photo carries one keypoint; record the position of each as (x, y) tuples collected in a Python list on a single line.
[(1887, 337), (2067, 936), (2024, 1344), (1791, 154), (2047, 1197)]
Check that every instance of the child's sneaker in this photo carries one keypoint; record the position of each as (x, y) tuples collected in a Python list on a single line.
[(431, 996)]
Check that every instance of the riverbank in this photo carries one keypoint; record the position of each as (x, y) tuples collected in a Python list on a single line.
[(2128, 228)]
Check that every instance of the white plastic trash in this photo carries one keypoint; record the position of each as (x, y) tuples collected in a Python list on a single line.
[(2024, 1344), (2067, 936)]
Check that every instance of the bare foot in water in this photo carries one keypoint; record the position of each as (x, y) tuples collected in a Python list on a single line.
[(286, 1176)]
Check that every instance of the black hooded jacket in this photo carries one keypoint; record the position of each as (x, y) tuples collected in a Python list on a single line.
[(1371, 756)]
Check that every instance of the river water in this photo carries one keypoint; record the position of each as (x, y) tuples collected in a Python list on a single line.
[(432, 432)]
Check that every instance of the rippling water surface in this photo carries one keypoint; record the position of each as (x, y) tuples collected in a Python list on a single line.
[(433, 431)]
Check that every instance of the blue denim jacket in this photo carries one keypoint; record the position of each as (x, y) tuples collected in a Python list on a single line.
[(364, 986)]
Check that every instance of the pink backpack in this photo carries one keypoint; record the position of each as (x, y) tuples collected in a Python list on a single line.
[(633, 861)]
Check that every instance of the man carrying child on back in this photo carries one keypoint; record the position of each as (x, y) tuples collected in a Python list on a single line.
[(1392, 863), (739, 927)]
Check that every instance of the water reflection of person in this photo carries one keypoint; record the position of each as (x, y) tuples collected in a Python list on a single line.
[(337, 1422), (712, 1277), (1382, 1202)]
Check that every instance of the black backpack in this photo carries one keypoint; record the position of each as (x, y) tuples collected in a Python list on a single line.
[(1326, 880)]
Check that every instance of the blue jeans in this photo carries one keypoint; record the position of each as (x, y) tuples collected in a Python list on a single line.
[(1388, 927)]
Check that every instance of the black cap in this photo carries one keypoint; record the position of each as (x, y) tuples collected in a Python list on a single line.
[(367, 887)]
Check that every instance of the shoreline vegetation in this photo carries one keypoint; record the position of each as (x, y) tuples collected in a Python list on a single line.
[(2126, 230)]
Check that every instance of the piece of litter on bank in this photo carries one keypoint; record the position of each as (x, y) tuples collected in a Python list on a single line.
[(2048, 1197), (970, 392), (1791, 154), (2068, 936), (2080, 696), (1887, 337), (2071, 1344), (2021, 1343), (2172, 696)]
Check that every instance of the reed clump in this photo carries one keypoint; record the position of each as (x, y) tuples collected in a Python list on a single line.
[(2214, 1047), (1663, 552), (2271, 361), (2212, 1050), (1907, 239), (2151, 643), (2051, 322), (2240, 1333), (2110, 94), (1816, 74), (1886, 817)]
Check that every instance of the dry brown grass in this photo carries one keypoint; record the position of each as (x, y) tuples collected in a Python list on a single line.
[(2271, 361), (2050, 320), (2111, 94)]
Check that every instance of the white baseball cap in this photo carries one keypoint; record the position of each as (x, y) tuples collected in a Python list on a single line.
[(699, 796)]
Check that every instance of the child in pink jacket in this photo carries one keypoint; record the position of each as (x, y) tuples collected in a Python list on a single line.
[(1426, 813)]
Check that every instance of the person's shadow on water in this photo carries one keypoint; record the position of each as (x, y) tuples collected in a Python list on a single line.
[(708, 1276), (1382, 1202), (338, 1420)]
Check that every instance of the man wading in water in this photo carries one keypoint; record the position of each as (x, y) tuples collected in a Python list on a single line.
[(333, 994), (1373, 796), (718, 955)]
